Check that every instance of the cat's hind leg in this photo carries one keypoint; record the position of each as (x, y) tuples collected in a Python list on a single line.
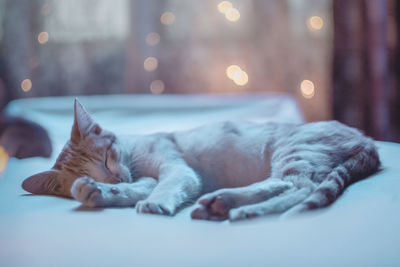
[(290, 174), (359, 165), (297, 168), (275, 205), (216, 205)]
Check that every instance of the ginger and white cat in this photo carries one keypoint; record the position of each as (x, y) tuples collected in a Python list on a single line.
[(250, 169)]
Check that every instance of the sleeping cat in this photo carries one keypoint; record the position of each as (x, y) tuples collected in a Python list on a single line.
[(239, 170)]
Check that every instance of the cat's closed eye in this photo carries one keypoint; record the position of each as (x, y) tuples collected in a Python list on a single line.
[(107, 162), (111, 162)]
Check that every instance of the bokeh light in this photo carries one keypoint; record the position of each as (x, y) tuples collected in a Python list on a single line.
[(157, 87), (150, 63), (167, 18), (315, 23), (4, 157), (224, 6), (26, 85), (237, 75), (232, 14), (231, 70), (307, 89), (43, 37), (241, 78), (153, 39)]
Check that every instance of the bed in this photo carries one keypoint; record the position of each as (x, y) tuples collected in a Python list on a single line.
[(360, 229)]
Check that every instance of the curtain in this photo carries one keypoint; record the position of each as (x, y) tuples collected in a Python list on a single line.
[(366, 66)]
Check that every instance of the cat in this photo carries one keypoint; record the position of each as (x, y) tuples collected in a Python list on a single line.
[(239, 170)]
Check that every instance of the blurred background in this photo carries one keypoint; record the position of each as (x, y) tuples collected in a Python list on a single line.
[(340, 59)]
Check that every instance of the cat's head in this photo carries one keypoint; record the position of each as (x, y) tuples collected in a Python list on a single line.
[(91, 151)]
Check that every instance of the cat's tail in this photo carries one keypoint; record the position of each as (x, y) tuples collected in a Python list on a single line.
[(364, 161)]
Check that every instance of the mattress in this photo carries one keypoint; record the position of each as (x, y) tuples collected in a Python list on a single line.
[(360, 229)]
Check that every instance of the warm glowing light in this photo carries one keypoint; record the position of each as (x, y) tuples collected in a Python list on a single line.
[(224, 6), (167, 18), (241, 78), (152, 39), (232, 14), (231, 70), (45, 9), (43, 37), (26, 85), (157, 87), (150, 63), (3, 159), (315, 23), (307, 89)]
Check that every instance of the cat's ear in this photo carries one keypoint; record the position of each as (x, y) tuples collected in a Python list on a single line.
[(44, 183), (83, 123)]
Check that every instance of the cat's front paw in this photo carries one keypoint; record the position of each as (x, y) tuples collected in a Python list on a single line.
[(88, 192), (151, 207)]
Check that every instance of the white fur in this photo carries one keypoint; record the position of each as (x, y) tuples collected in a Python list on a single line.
[(259, 169)]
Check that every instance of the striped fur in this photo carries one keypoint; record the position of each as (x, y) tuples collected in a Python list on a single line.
[(364, 162), (315, 162)]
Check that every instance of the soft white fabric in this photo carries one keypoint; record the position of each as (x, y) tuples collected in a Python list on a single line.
[(360, 229)]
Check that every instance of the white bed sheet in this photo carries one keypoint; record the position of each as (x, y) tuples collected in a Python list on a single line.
[(360, 229)]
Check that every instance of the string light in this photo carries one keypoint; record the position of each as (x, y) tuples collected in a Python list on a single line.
[(4, 157), (315, 23), (43, 37), (167, 18), (237, 75), (150, 63), (157, 87), (224, 6), (26, 85), (241, 78), (153, 39), (231, 70), (232, 14), (307, 89)]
